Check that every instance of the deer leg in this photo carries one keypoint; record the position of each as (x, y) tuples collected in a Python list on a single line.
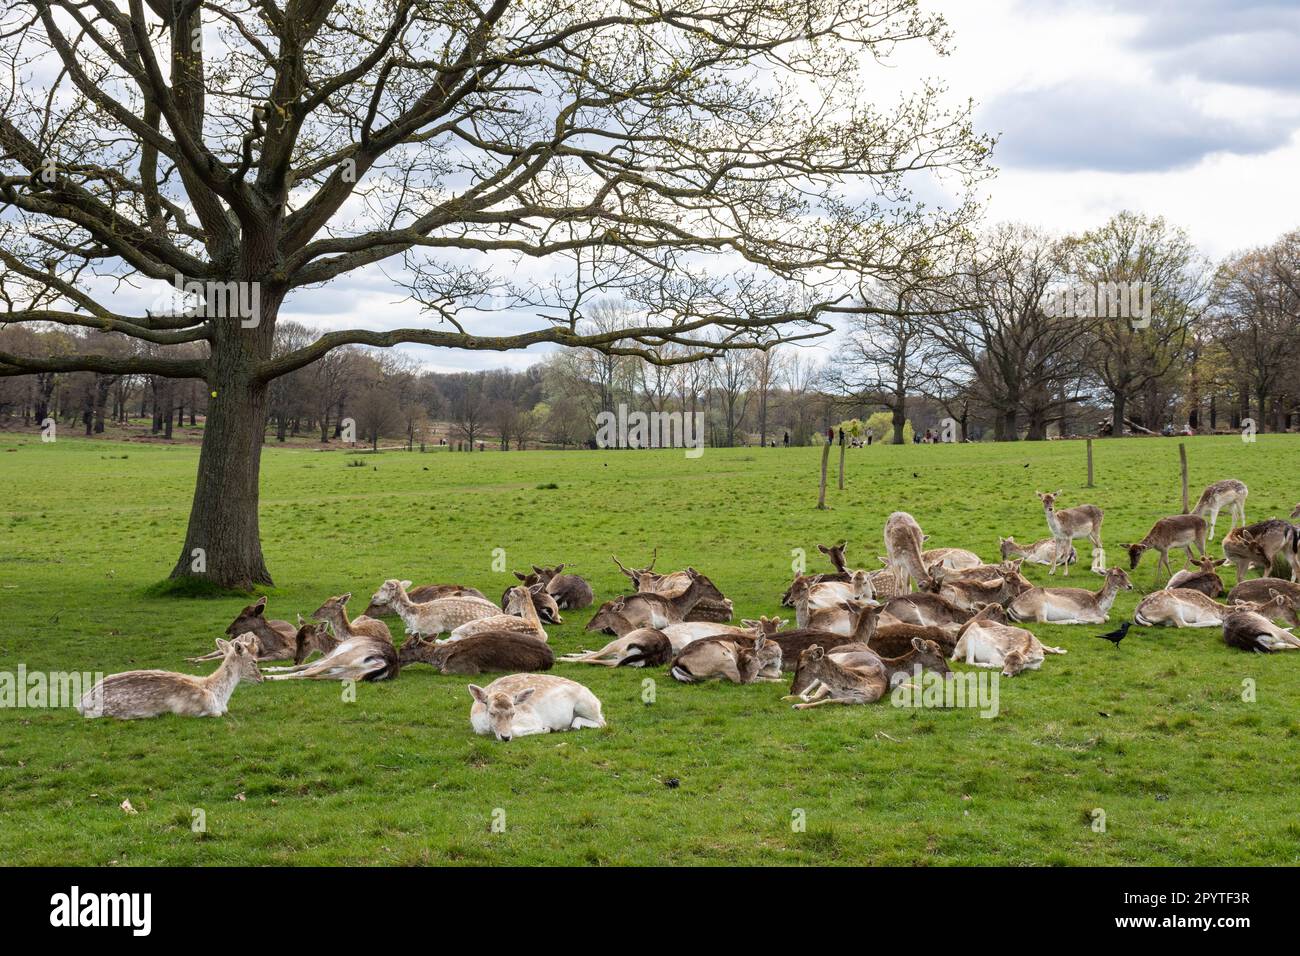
[(825, 700)]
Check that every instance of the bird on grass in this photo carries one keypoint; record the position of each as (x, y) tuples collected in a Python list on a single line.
[(1118, 635)]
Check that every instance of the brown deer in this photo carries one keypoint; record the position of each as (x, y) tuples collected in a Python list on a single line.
[(856, 675), (649, 608), (1258, 545), (1070, 605), (1230, 494), (426, 593), (1178, 531), (1249, 628), (950, 559), (729, 659), (335, 613), (489, 651), (1262, 590), (275, 638), (711, 605), (1203, 577), (903, 540), (841, 573), (644, 647), (1070, 524), (548, 609), (971, 590), (135, 694), (923, 608), (571, 591)]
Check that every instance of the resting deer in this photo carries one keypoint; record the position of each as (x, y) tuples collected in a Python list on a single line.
[(571, 592), (335, 613), (951, 559), (1070, 605), (841, 573), (795, 641), (1230, 494), (648, 609), (135, 694), (1178, 531), (644, 647), (729, 659), (903, 540), (971, 590), (548, 609), (1040, 552), (856, 675), (1261, 590), (710, 605), (521, 615), (687, 632), (433, 617), (1203, 578), (1179, 607), (984, 643), (891, 640), (490, 651), (924, 609), (1070, 524), (830, 594), (361, 657), (986, 573), (1248, 629), (426, 593), (1258, 545), (523, 704), (275, 639)]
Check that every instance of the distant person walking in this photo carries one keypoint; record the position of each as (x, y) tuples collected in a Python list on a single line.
[(787, 439)]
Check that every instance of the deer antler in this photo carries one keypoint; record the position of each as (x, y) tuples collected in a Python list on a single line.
[(631, 574), (653, 559)]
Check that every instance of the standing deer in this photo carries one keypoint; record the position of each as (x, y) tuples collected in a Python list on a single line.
[(903, 540), (1230, 494), (524, 704), (1070, 524), (1070, 605), (1178, 531), (135, 694)]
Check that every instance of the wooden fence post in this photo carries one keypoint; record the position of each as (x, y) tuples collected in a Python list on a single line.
[(1089, 462), (826, 457)]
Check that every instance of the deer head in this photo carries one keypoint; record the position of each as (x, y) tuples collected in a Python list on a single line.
[(250, 616), (245, 659), (501, 708)]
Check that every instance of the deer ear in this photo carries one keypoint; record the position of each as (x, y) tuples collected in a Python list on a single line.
[(521, 577), (260, 606), (344, 598), (301, 622), (478, 693), (404, 584), (223, 645), (240, 648), (536, 569), (816, 652), (523, 695)]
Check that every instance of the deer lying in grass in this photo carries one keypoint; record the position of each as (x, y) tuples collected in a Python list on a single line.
[(1070, 524), (520, 615), (989, 584), (950, 559), (364, 650), (135, 694), (826, 595), (841, 573), (1203, 577), (1230, 494), (1261, 590), (311, 638), (570, 591), (490, 651), (426, 593), (856, 675), (924, 609), (644, 647), (1248, 628), (1177, 531), (984, 643), (275, 639), (891, 640), (688, 632), (648, 608), (1040, 552), (433, 617), (711, 604), (1070, 605), (1179, 607), (1258, 545), (548, 609), (730, 659), (903, 540), (523, 704)]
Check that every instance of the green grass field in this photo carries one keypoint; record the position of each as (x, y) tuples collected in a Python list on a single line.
[(1156, 734)]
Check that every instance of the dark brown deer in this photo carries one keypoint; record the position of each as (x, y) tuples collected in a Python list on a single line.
[(1203, 577), (649, 608), (548, 609), (489, 651), (571, 591)]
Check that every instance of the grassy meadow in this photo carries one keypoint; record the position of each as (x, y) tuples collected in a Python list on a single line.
[(1156, 733)]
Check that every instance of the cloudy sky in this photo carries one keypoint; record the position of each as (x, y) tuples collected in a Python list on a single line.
[(1188, 109)]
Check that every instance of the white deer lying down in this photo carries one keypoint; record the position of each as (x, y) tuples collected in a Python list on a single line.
[(136, 694), (523, 704), (985, 644), (1179, 607), (1070, 605)]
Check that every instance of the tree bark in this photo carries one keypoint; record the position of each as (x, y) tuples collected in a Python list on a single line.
[(899, 420), (1117, 414)]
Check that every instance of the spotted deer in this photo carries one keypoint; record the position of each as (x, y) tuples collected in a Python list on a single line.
[(431, 618), (1040, 552), (520, 615), (1070, 605), (1070, 524), (1229, 493), (426, 593), (1178, 531), (136, 694), (520, 705), (903, 540)]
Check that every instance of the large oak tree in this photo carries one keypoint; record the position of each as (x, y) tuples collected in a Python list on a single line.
[(695, 158)]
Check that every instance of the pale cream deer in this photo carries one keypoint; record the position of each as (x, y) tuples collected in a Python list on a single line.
[(1179, 607), (1070, 605), (520, 705), (1229, 493), (984, 643), (135, 694)]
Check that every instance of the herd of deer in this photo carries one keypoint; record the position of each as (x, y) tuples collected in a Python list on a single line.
[(857, 633)]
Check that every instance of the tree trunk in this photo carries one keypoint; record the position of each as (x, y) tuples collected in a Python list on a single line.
[(900, 422), (1117, 414)]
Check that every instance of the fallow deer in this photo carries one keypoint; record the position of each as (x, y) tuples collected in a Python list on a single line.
[(1230, 494), (275, 638), (490, 651), (644, 647), (1259, 544), (841, 573), (1251, 630), (951, 559), (1040, 552), (729, 659), (711, 605), (830, 594), (135, 694), (1203, 577), (426, 593), (689, 631), (648, 608), (1013, 649), (924, 609), (523, 704), (1179, 607), (548, 609), (431, 618), (1070, 524), (571, 591), (1177, 531), (1070, 605), (795, 641), (335, 613), (360, 657), (520, 615), (971, 590), (1260, 590), (856, 675), (903, 539)]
